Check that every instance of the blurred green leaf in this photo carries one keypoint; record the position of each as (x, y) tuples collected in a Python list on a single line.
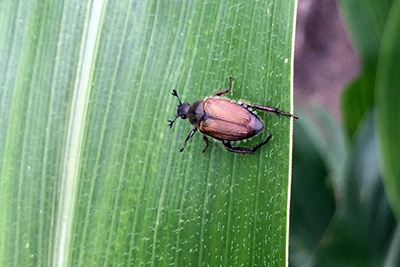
[(366, 23), (319, 158), (388, 107), (312, 200), (362, 231), (357, 99), (329, 140), (90, 172), (347, 225)]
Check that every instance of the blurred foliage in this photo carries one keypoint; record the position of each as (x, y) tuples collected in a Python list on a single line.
[(348, 213), (365, 21), (349, 225)]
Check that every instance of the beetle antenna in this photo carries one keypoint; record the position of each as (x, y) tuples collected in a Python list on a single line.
[(175, 93), (172, 122)]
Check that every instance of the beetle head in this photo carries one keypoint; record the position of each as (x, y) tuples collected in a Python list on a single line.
[(182, 111)]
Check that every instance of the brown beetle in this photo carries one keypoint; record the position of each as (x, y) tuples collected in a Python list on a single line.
[(224, 120)]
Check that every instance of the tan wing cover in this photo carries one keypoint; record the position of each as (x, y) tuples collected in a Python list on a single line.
[(226, 120)]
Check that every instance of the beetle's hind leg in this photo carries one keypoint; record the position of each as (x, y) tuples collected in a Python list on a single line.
[(269, 109), (226, 90), (245, 150), (205, 139)]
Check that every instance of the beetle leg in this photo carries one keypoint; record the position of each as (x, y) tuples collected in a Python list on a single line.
[(192, 132), (245, 150), (172, 122), (241, 150), (206, 141), (269, 109), (226, 90)]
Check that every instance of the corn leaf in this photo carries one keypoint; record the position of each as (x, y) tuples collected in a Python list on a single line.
[(90, 173)]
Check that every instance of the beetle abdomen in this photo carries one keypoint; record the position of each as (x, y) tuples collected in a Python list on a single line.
[(225, 120)]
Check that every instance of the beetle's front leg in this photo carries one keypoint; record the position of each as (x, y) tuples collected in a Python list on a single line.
[(226, 90), (192, 132)]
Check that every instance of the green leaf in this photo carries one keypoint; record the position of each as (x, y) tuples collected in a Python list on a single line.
[(365, 21), (388, 107), (312, 201), (90, 173), (319, 153), (357, 99), (329, 141), (363, 231), (346, 221)]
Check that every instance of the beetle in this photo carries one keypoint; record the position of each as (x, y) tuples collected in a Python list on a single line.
[(224, 120)]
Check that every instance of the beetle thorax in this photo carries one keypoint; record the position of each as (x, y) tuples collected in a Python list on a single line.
[(196, 113)]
